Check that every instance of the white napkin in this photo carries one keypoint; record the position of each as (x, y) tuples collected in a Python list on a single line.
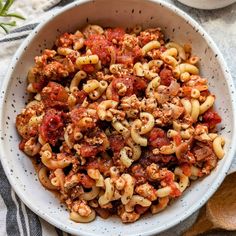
[(34, 11)]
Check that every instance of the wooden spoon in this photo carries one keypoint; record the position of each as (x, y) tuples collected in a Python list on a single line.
[(220, 210)]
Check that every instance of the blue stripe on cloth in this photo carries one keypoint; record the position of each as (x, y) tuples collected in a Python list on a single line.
[(24, 28), (12, 227), (64, 3), (9, 39), (22, 218), (34, 223)]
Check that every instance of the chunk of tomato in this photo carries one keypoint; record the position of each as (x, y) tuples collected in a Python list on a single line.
[(99, 45), (80, 96), (52, 125), (54, 95), (166, 76), (140, 84), (211, 118), (116, 33), (158, 138)]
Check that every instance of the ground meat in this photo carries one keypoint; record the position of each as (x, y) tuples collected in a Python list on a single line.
[(55, 71), (203, 152), (22, 123), (102, 164), (86, 181), (78, 114), (87, 150), (40, 82), (94, 142), (138, 172), (129, 51), (150, 35), (65, 40)]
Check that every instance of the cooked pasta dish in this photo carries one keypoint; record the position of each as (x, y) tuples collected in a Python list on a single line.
[(119, 121)]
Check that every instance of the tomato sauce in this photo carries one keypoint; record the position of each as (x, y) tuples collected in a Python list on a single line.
[(52, 126), (54, 95), (99, 45), (166, 76), (211, 118), (158, 138)]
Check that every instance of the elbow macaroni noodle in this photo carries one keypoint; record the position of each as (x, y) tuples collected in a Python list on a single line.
[(120, 122)]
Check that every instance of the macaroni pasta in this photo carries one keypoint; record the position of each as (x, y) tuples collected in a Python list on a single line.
[(121, 122)]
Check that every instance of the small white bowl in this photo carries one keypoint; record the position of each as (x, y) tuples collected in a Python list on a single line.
[(207, 4), (178, 26)]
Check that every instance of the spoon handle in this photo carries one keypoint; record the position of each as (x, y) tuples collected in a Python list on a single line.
[(203, 224)]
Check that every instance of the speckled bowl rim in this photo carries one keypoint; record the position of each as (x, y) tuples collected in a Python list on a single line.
[(191, 209), (207, 6)]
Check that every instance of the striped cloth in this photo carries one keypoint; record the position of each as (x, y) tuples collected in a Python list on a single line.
[(15, 218)]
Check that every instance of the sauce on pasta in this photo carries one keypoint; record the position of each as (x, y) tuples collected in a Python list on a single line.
[(121, 122)]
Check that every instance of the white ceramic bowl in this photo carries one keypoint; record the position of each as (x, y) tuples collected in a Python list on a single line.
[(177, 26), (207, 4)]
